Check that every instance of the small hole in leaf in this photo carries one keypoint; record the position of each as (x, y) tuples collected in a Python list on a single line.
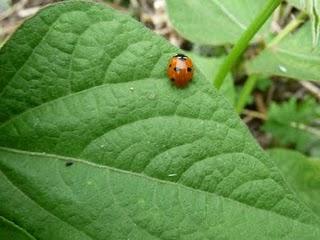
[(69, 163)]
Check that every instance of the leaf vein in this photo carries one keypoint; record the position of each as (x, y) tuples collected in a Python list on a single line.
[(42, 207)]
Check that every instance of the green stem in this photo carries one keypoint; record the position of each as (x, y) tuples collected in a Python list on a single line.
[(244, 41), (245, 93), (251, 81), (288, 29)]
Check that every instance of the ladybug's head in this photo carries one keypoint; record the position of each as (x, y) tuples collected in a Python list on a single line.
[(181, 56)]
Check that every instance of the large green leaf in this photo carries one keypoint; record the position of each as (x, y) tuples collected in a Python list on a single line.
[(302, 173), (293, 57), (55, 200), (133, 156), (213, 21)]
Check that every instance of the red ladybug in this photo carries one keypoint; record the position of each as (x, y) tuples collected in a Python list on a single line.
[(180, 70)]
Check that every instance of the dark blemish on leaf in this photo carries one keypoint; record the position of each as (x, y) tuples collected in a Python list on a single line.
[(189, 69), (68, 163)]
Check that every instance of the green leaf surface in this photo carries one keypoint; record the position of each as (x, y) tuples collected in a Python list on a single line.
[(98, 144), (297, 3), (91, 201), (313, 8), (293, 57), (214, 22), (10, 231), (302, 173)]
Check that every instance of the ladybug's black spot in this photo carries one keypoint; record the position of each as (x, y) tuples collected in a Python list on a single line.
[(68, 164), (172, 79), (189, 69), (177, 69), (170, 65)]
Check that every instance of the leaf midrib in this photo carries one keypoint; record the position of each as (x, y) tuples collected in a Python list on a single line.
[(117, 170), (28, 234), (42, 207)]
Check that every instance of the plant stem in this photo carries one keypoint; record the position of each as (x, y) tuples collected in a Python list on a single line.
[(244, 41), (246, 91), (251, 81), (288, 29)]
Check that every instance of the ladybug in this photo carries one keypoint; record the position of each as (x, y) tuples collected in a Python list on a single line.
[(180, 70)]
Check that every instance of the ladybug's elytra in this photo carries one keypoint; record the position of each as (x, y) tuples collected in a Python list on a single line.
[(180, 70)]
